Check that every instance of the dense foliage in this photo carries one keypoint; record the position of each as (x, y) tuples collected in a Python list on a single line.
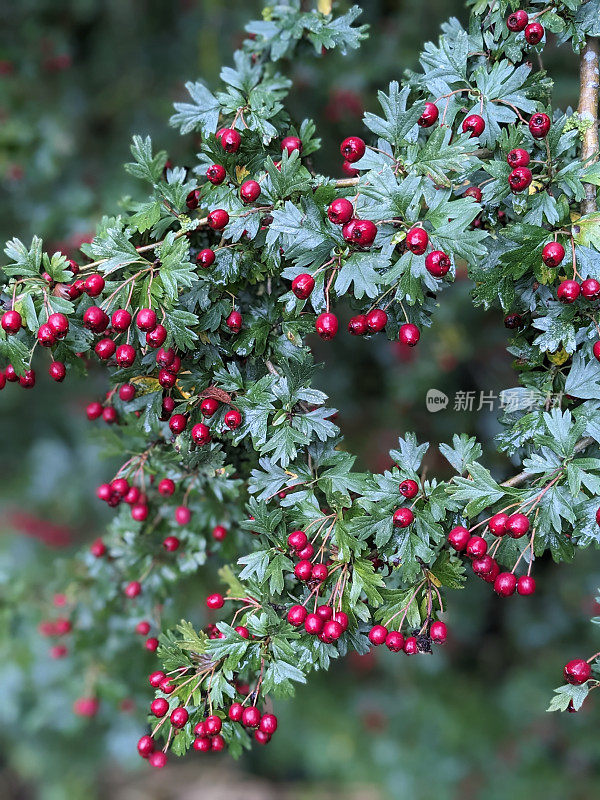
[(199, 298)]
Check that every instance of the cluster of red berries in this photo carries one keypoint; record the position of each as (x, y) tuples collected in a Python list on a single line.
[(61, 626), (26, 380), (476, 548), (396, 641), (518, 21), (143, 629)]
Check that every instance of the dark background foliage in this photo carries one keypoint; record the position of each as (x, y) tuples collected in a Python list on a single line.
[(77, 78)]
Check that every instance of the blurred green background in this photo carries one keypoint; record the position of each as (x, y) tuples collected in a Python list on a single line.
[(77, 79)]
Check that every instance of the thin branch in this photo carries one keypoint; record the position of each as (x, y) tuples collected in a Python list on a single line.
[(523, 477), (588, 113)]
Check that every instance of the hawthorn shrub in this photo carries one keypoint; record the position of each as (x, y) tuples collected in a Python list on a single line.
[(200, 300)]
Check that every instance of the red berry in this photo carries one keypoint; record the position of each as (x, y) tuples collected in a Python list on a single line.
[(291, 143), (526, 585), (139, 512), (206, 257), (177, 423), (409, 489), (342, 618), (313, 624), (353, 148), (303, 570), (202, 744), (360, 231), (459, 537), (166, 378), (213, 725), (216, 174), (429, 116), (409, 334), (590, 289), (261, 737), (596, 350), (235, 712), (297, 540), (325, 612), (249, 191), (57, 371), (193, 199), (326, 326), (519, 179), (539, 125), (518, 158), (98, 548), (411, 647), (417, 240), (155, 678), (302, 285), (151, 644), (251, 717), (376, 320), (146, 319), (320, 573), (95, 319), (438, 632), (157, 760), (349, 170), (218, 219), (358, 325), (534, 33), (331, 632), (268, 724), (517, 525), (505, 584), (179, 717), (94, 285), (143, 628), (577, 671), (230, 140), (242, 631), (209, 406), (568, 291), (201, 434), (171, 543), (402, 517), (437, 263), (145, 746), (234, 321), (59, 324), (127, 392), (11, 322), (156, 338), (378, 634), (182, 515), (340, 211), (296, 616), (483, 566), (517, 21), (476, 547), (497, 524), (394, 641), (215, 601), (105, 348), (552, 254), (46, 336), (133, 589), (125, 355), (27, 380), (159, 707), (219, 533), (473, 124), (233, 419)]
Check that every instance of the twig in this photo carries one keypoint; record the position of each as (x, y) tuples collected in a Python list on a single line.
[(588, 112)]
